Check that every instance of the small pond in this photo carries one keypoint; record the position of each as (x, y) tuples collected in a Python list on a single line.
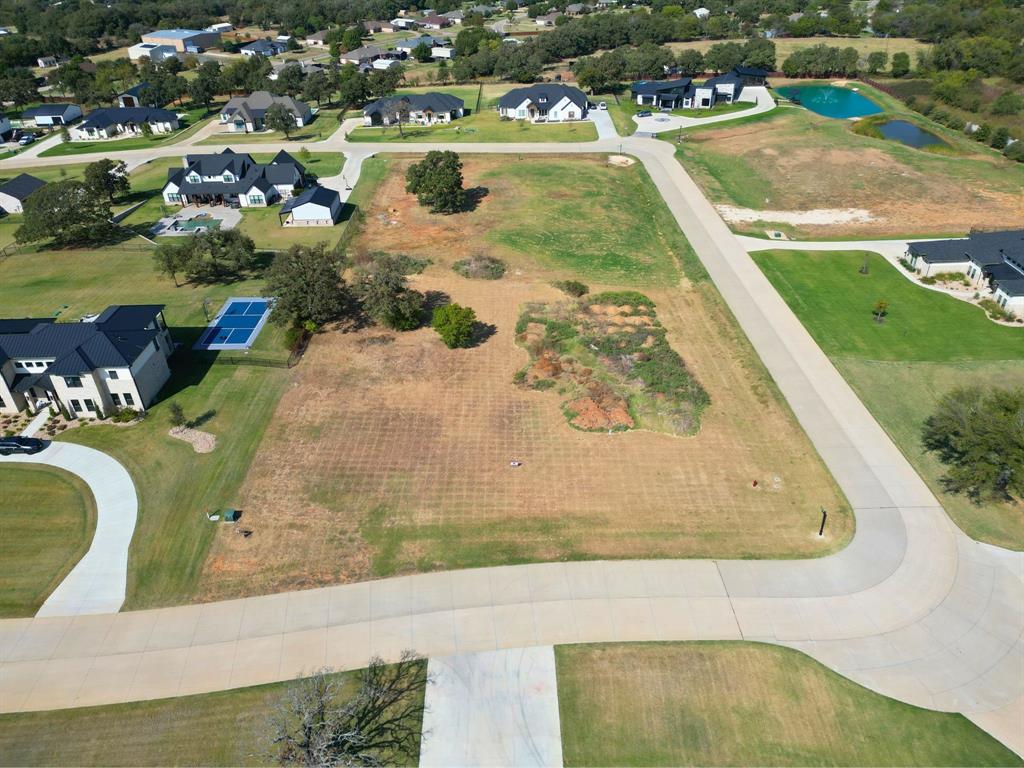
[(908, 133), (830, 101)]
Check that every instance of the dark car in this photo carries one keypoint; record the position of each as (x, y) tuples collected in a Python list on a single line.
[(644, 113), (24, 445)]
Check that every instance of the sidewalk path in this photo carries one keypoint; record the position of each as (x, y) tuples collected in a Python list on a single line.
[(912, 608), (96, 585), (496, 708)]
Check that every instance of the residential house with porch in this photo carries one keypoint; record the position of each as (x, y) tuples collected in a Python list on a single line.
[(683, 93), (363, 55), (245, 114), (264, 48), (231, 178), (420, 108), (992, 261), (117, 359), (544, 102), (115, 122)]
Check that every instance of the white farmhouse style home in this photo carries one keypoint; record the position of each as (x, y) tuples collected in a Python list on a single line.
[(245, 114), (544, 102), (14, 192), (230, 178)]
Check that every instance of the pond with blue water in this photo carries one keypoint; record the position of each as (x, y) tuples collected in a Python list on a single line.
[(908, 133), (830, 101)]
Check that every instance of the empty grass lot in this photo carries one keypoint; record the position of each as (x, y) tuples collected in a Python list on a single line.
[(733, 703), (793, 160), (928, 344), (47, 518), (228, 728)]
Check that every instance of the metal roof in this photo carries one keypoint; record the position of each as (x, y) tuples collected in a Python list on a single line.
[(21, 186)]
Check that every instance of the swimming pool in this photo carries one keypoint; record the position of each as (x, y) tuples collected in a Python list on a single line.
[(237, 324), (831, 101)]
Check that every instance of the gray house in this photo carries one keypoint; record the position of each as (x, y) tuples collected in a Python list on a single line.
[(420, 108), (13, 193), (48, 115), (245, 114)]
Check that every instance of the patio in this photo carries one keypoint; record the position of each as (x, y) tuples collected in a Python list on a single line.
[(202, 218)]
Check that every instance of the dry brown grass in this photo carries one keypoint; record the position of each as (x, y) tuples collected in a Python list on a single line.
[(394, 457)]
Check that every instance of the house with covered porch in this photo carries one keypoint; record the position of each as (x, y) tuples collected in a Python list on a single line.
[(231, 178), (544, 102), (419, 108), (114, 122)]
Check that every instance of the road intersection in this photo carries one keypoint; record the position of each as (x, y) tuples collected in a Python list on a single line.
[(912, 608)]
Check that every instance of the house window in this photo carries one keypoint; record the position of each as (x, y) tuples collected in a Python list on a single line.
[(73, 381), (520, 113), (571, 116), (256, 200), (173, 197), (89, 405), (112, 374), (116, 398), (228, 178), (128, 399), (194, 178), (76, 406)]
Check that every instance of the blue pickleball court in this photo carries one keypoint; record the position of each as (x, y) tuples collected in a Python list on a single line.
[(237, 324)]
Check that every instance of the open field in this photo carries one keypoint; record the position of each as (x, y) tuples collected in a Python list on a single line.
[(322, 126), (784, 46), (794, 160), (48, 520), (228, 728), (928, 345), (733, 703), (390, 453)]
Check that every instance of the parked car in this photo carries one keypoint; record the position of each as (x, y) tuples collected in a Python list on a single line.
[(644, 113), (26, 139), (602, 105), (665, 109), (23, 445)]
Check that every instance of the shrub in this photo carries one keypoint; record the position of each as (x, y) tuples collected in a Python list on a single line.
[(621, 298), (906, 265), (481, 268), (572, 287), (293, 337), (1016, 151), (1008, 103), (176, 414), (126, 415), (984, 133), (927, 108), (994, 311), (454, 324), (1000, 137)]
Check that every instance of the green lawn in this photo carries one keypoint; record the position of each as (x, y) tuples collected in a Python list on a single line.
[(227, 728), (47, 518), (928, 344), (321, 127), (486, 126), (734, 703)]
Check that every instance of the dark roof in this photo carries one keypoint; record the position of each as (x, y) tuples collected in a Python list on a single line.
[(940, 251), (22, 324), (1012, 287), (316, 194), (101, 118), (21, 186), (282, 170), (552, 93), (417, 102), (115, 340), (47, 110), (283, 158), (982, 248), (661, 86), (725, 79), (266, 47), (135, 90), (256, 104), (750, 71)]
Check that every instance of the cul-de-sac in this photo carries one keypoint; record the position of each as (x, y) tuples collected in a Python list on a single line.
[(614, 383)]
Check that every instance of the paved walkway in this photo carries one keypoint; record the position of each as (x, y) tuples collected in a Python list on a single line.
[(96, 585), (37, 423), (496, 708), (912, 608), (659, 122)]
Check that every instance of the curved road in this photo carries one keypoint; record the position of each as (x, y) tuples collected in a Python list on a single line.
[(912, 608)]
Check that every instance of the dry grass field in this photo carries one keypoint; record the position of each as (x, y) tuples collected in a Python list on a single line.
[(389, 453)]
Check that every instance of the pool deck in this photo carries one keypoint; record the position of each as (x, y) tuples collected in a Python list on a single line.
[(228, 217)]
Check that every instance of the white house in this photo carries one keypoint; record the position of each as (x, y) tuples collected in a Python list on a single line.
[(152, 51), (116, 360), (316, 39), (544, 102), (49, 115), (245, 114), (14, 192), (45, 62), (547, 20), (701, 13), (315, 207), (229, 177), (420, 108), (442, 52), (114, 122), (403, 23), (220, 27)]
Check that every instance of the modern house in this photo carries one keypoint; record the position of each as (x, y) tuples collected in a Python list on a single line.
[(544, 102), (683, 93), (992, 261), (314, 207), (152, 51), (49, 115), (245, 114), (117, 359), (264, 48), (231, 178), (14, 192), (661, 93), (184, 40), (133, 97), (364, 55), (420, 108), (116, 121), (751, 75)]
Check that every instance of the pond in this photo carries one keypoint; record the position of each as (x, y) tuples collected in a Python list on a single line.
[(908, 133), (830, 101)]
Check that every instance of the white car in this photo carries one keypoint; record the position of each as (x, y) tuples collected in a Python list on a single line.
[(602, 105)]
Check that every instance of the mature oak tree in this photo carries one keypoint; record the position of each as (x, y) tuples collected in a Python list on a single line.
[(437, 182), (307, 284), (67, 212), (106, 178)]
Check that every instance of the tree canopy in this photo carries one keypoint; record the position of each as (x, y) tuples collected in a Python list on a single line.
[(106, 178), (307, 283), (437, 182), (68, 213), (207, 257)]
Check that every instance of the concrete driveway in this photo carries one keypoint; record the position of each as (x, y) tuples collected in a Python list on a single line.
[(760, 101), (603, 121)]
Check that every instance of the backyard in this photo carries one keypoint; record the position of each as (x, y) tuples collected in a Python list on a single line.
[(733, 703), (928, 345), (48, 520), (408, 470), (774, 164)]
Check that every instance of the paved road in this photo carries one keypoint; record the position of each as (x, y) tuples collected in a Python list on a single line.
[(912, 608), (96, 585)]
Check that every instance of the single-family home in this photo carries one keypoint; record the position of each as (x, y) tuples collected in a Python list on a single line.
[(14, 192), (152, 51), (575, 9), (117, 359), (46, 62), (410, 44), (117, 121), (133, 96), (548, 19), (420, 108), (992, 261), (455, 17), (372, 27), (363, 55), (435, 22), (403, 23), (49, 115), (700, 13), (221, 27), (683, 93), (230, 178), (306, 67), (317, 39), (6, 129), (544, 102), (751, 75), (661, 93), (264, 48), (184, 40), (245, 114), (315, 206)]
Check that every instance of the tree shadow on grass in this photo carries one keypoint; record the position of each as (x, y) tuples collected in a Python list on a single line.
[(474, 196)]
